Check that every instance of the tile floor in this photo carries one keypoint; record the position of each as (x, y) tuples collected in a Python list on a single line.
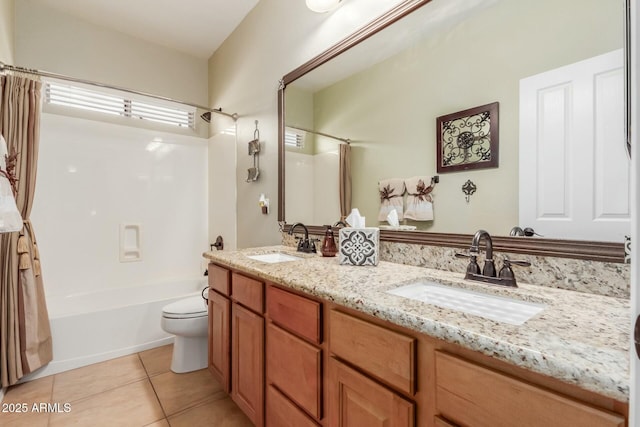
[(137, 390)]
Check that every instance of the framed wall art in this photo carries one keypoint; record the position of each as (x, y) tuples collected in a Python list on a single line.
[(468, 139)]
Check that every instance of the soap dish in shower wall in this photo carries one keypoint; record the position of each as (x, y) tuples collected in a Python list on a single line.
[(130, 242)]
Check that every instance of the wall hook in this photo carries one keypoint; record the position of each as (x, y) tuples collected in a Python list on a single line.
[(254, 150), (468, 189)]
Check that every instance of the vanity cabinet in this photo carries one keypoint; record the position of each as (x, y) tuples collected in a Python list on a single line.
[(294, 360), (236, 338)]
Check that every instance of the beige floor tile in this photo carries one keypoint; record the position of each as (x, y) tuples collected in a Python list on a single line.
[(220, 413), (161, 423), (33, 391), (129, 405), (26, 420), (36, 391), (157, 360), (180, 391), (83, 382)]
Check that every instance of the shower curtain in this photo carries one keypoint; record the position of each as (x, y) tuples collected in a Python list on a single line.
[(25, 334), (345, 181)]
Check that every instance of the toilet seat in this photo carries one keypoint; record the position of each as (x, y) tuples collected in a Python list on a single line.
[(187, 308)]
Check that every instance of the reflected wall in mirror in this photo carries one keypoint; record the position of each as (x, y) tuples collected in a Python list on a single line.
[(385, 94)]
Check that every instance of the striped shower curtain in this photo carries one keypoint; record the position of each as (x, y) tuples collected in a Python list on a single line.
[(25, 334)]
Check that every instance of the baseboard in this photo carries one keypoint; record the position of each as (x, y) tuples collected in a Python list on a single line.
[(57, 366)]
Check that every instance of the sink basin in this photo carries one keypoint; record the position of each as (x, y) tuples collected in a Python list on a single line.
[(274, 257), (500, 309)]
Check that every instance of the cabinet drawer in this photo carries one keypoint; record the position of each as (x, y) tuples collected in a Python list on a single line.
[(468, 394), (248, 292), (384, 354), (295, 368), (282, 413), (294, 313), (219, 279)]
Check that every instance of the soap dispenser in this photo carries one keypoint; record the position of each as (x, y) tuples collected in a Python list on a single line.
[(329, 244)]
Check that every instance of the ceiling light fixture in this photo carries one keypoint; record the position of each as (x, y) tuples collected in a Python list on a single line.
[(322, 6)]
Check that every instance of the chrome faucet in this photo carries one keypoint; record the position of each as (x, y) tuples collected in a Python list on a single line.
[(304, 244), (488, 275)]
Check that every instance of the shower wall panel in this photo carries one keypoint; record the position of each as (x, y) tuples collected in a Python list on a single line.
[(92, 178)]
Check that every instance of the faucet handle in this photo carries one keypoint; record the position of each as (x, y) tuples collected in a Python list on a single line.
[(461, 255), (473, 267), (508, 262), (313, 244), (507, 272)]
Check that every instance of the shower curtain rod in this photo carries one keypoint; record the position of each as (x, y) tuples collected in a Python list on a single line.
[(4, 67), (345, 140)]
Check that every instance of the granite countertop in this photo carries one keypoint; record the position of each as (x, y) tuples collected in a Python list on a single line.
[(579, 338)]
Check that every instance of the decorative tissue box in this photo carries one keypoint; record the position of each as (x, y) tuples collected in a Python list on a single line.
[(359, 246)]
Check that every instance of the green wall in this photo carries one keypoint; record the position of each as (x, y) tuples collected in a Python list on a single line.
[(390, 110)]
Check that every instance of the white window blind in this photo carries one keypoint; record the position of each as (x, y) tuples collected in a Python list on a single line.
[(107, 103), (293, 138)]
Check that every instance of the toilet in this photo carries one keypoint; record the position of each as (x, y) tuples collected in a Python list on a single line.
[(187, 319)]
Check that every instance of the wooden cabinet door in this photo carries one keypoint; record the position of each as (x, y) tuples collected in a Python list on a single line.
[(295, 368), (358, 401), (247, 362), (280, 412), (219, 333)]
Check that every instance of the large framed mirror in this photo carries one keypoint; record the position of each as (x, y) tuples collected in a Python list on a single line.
[(381, 90)]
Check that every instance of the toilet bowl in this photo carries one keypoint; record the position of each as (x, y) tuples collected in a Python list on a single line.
[(187, 320)]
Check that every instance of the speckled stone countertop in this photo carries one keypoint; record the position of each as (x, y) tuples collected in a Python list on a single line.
[(579, 338)]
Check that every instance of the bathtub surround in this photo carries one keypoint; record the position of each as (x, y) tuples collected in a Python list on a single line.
[(25, 335), (93, 177)]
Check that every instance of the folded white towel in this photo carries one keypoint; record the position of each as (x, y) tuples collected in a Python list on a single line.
[(391, 192), (419, 200), (10, 218)]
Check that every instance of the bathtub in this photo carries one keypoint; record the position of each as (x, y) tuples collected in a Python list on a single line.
[(93, 327)]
